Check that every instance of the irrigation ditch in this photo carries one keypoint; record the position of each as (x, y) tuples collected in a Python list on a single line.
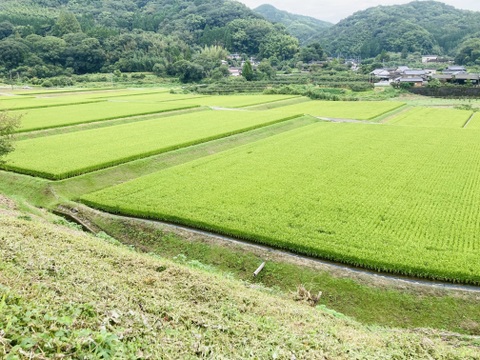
[(86, 218)]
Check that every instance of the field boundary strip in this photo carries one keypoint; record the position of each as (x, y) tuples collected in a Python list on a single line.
[(55, 105), (386, 112), (468, 121), (268, 102)]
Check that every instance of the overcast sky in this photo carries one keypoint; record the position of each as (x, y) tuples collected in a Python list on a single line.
[(335, 10)]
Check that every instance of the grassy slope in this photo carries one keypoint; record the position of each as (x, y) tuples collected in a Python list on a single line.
[(64, 292)]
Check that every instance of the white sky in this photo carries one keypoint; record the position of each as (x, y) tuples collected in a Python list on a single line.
[(335, 10)]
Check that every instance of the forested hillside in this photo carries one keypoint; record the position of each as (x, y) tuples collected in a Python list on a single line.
[(50, 37), (302, 27), (420, 26), (188, 39)]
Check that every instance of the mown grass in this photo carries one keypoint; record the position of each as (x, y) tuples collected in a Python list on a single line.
[(432, 117), (321, 191), (65, 155), (65, 294)]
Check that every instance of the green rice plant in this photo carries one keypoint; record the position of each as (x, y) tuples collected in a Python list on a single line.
[(395, 199), (358, 110), (432, 117), (70, 154), (46, 118)]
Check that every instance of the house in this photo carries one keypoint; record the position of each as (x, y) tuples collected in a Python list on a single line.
[(414, 74), (402, 69), (455, 69), (382, 74), (234, 56), (401, 74), (415, 81), (224, 62), (460, 79), (429, 58), (234, 71)]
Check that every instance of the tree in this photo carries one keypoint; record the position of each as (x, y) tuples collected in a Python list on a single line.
[(469, 52), (6, 29), (210, 58), (67, 23), (266, 69), (12, 53), (247, 71), (312, 52), (188, 71), (279, 46), (8, 124), (86, 57)]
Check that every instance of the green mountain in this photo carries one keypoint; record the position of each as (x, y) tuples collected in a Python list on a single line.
[(419, 26), (300, 26), (42, 38)]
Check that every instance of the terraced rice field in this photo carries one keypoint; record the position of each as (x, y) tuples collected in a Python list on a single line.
[(432, 117), (357, 110), (51, 117), (70, 154), (392, 198)]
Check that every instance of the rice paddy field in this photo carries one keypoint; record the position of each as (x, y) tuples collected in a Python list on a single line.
[(51, 117), (402, 199), (64, 155), (405, 202), (358, 110), (432, 117)]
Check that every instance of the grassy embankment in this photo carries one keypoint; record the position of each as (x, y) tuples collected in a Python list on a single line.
[(67, 294)]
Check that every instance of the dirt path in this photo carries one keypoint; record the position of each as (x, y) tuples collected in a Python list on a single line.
[(339, 120)]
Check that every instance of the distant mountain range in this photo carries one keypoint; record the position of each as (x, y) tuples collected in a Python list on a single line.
[(302, 27), (420, 26), (49, 37)]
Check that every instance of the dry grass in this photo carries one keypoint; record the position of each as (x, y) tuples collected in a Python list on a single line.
[(66, 293)]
